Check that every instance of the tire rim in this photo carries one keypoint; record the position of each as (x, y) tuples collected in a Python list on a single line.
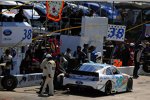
[(9, 82)]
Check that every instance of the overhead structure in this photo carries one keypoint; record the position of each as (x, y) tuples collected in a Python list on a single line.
[(133, 5)]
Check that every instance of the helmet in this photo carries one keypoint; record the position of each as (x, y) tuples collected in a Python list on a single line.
[(98, 54), (131, 44), (48, 56)]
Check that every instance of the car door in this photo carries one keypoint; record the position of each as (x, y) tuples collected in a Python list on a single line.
[(111, 77), (118, 79)]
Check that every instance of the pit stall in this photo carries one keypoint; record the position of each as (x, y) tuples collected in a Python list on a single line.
[(16, 36)]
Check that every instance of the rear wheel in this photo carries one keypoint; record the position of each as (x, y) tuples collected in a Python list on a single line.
[(108, 88), (146, 66), (9, 82), (129, 85), (73, 89)]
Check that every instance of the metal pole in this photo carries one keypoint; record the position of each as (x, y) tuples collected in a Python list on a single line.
[(32, 12), (99, 9), (46, 30), (1, 17), (113, 13), (142, 17), (46, 24)]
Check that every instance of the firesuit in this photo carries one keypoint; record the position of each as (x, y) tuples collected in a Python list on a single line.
[(48, 71)]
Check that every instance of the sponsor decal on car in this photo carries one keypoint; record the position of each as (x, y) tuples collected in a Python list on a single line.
[(7, 32)]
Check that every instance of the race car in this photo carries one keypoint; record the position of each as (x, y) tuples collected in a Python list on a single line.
[(102, 77)]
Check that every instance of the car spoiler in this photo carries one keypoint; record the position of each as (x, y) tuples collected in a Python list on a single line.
[(83, 73)]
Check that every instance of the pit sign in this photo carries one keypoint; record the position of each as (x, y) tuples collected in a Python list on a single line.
[(116, 32)]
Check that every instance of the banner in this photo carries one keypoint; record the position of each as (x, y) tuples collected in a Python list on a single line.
[(54, 10)]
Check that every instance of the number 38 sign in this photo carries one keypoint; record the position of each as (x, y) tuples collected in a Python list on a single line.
[(116, 32)]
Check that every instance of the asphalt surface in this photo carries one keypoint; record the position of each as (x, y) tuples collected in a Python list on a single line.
[(141, 91)]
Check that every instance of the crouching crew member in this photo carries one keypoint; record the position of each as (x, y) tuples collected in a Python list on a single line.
[(7, 58)]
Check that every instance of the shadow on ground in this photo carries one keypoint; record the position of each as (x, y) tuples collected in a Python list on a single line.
[(78, 92), (90, 93)]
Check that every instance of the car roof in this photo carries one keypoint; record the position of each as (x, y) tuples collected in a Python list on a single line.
[(96, 64), (92, 67)]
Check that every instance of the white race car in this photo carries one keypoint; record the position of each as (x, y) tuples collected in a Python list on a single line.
[(102, 77)]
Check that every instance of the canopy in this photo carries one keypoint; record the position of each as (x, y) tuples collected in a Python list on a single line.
[(29, 12), (132, 5)]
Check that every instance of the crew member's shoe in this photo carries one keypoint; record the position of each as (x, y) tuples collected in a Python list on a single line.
[(38, 92), (50, 94), (135, 77), (41, 95)]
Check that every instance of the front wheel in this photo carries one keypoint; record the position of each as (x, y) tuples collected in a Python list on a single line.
[(146, 66), (73, 89), (108, 88)]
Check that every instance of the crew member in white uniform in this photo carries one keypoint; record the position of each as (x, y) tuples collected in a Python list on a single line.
[(49, 66), (43, 67)]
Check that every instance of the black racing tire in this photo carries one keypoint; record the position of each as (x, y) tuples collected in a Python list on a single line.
[(129, 85), (73, 89), (9, 82), (108, 88), (146, 66)]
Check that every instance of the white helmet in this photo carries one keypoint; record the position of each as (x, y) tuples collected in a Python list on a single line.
[(48, 56), (131, 44), (98, 54)]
